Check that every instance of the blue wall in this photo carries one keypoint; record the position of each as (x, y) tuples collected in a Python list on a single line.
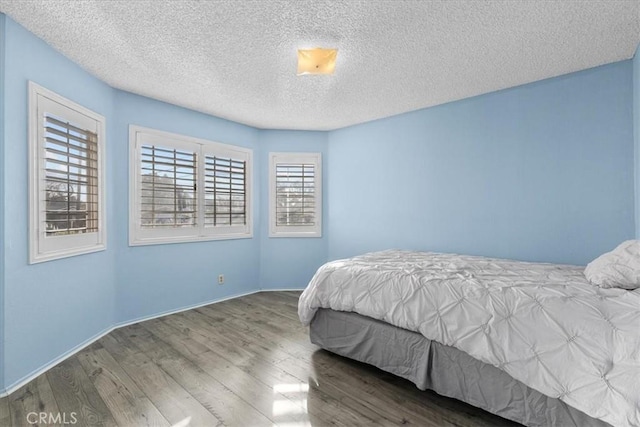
[(288, 263), (541, 172), (2, 240), (636, 132), (50, 307), (158, 278)]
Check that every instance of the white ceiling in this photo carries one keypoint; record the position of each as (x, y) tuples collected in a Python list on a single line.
[(237, 59)]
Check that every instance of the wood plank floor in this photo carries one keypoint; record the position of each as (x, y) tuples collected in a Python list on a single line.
[(243, 362)]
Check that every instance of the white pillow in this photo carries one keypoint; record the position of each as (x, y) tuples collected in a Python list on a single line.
[(619, 268)]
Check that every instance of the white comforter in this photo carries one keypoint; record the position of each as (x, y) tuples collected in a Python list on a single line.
[(544, 324)]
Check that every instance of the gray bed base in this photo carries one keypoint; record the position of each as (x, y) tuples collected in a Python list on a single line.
[(443, 369)]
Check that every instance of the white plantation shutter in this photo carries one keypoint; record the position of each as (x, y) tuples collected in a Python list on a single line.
[(70, 193), (225, 191), (66, 186), (186, 189), (168, 187), (295, 195)]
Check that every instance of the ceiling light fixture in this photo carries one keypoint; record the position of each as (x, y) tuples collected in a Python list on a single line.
[(316, 61)]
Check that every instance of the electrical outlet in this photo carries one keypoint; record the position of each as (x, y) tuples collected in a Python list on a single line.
[(221, 279)]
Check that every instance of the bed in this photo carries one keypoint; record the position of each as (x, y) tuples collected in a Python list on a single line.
[(534, 343)]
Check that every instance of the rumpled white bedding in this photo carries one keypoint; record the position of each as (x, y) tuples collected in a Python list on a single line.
[(544, 324)]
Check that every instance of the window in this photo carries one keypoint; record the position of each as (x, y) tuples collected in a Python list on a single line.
[(186, 189), (295, 195), (66, 182)]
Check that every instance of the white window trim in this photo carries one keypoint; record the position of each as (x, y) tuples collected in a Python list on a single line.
[(295, 231), (41, 247), (141, 237)]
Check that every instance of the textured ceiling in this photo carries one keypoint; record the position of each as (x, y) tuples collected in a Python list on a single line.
[(237, 59)]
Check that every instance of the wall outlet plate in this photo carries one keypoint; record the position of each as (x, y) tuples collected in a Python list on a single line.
[(221, 279)]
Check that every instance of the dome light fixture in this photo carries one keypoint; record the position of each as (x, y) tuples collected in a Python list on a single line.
[(316, 61)]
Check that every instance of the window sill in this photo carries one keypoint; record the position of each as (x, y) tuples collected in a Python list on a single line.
[(186, 239), (67, 253), (295, 234)]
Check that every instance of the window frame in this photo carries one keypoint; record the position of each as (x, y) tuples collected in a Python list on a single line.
[(48, 248), (314, 158), (139, 236)]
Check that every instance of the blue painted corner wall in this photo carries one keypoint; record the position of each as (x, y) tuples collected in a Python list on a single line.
[(636, 133), (289, 263), (51, 307), (540, 172), (159, 278), (2, 178)]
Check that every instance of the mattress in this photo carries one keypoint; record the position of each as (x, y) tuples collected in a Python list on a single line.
[(542, 324), (443, 369)]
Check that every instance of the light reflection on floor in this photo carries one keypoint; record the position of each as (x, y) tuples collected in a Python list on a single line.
[(291, 407), (184, 423)]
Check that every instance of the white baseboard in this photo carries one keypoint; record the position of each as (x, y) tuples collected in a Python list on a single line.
[(21, 382), (33, 375), (282, 290), (179, 310)]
